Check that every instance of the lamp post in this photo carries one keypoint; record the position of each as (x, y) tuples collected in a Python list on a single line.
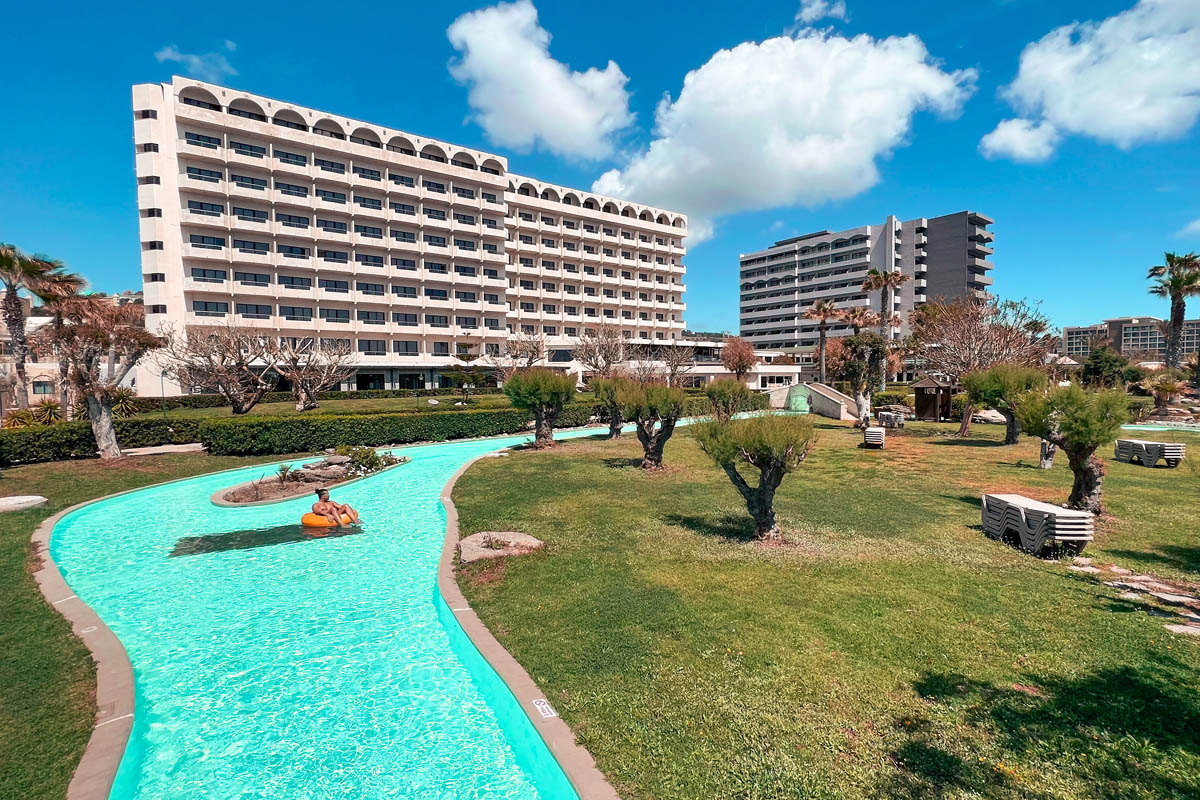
[(162, 392)]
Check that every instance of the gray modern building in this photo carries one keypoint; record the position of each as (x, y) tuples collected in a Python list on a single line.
[(945, 258), (1143, 338)]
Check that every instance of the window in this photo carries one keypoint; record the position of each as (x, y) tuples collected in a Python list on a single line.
[(465, 296), (463, 192), (369, 288), (369, 231), (335, 314), (301, 313), (244, 246), (549, 287), (435, 241), (252, 150), (188, 101), (435, 213), (292, 158), (401, 290), (434, 266), (337, 256), (253, 311), (464, 244), (404, 348), (291, 189), (404, 319), (291, 220), (148, 147), (206, 242), (209, 275), (488, 247), (147, 180), (200, 140), (550, 330), (368, 173), (372, 317), (488, 272), (252, 278), (249, 214), (524, 239), (433, 186), (493, 324), (465, 219), (291, 251), (494, 299), (372, 347), (288, 282), (441, 348), (147, 114), (208, 175), (331, 226), (571, 310), (404, 263), (368, 202), (463, 164), (464, 269), (334, 285), (401, 180), (404, 236), (466, 322), (528, 307), (330, 196), (209, 308), (153, 245), (368, 260), (404, 208), (437, 321), (158, 309), (330, 166), (155, 277), (436, 294), (550, 308), (491, 198)]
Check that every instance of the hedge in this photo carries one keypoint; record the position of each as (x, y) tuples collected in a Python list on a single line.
[(67, 440), (145, 404)]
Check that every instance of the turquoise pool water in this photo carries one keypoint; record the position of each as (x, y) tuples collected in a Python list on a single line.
[(272, 665)]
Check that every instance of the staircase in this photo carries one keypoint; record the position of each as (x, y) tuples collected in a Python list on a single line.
[(829, 402)]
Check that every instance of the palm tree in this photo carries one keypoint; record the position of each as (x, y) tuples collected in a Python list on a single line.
[(1176, 280), (823, 311), (20, 271), (859, 317), (886, 282), (56, 292)]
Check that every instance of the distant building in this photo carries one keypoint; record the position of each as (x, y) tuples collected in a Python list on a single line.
[(945, 257), (1131, 336)]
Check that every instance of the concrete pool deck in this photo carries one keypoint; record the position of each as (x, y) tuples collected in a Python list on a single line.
[(96, 772)]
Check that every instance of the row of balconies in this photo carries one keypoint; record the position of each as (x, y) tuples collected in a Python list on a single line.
[(268, 227), (580, 232), (230, 254)]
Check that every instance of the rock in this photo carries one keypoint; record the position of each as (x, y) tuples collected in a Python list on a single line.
[(1083, 561), (476, 546), (20, 502), (1077, 568), (308, 476), (330, 450), (896, 408), (432, 402), (1186, 630), (988, 416), (327, 474), (1114, 569), (334, 460)]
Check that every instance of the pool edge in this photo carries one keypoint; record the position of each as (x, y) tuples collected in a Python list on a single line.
[(97, 769), (574, 760)]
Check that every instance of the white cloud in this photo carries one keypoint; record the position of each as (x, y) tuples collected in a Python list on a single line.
[(523, 98), (211, 67), (791, 120), (1020, 140), (1130, 79), (813, 10), (1191, 230)]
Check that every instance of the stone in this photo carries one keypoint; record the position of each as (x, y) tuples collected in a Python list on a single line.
[(1129, 596), (20, 502), (476, 546), (1083, 561), (1173, 599), (432, 402), (1114, 569), (330, 450), (1186, 630), (988, 416), (1085, 568), (334, 460)]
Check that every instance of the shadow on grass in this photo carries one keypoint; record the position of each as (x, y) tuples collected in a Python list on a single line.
[(622, 463), (956, 442), (1182, 558), (1124, 731), (731, 527)]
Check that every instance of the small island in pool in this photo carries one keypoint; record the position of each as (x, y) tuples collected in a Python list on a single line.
[(339, 466)]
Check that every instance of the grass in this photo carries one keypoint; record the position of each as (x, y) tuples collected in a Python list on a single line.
[(892, 651), (47, 679), (357, 406)]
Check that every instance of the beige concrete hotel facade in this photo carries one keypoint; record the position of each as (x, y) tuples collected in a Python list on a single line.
[(270, 215)]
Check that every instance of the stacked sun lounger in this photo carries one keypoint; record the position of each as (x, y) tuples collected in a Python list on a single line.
[(1033, 525), (890, 419), (873, 436), (1148, 453)]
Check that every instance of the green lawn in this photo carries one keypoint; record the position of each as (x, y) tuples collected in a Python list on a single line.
[(47, 680), (892, 651)]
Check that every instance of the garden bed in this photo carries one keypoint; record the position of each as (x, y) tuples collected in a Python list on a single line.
[(287, 483)]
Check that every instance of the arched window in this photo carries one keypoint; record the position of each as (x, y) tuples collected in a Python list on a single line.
[(610, 208), (249, 109), (433, 153), (570, 199), (627, 212), (200, 98), (286, 118), (328, 127), (464, 160), (492, 167), (367, 137), (663, 219), (646, 216), (550, 194), (590, 203), (398, 144), (527, 190)]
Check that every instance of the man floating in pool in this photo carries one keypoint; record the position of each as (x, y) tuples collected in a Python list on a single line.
[(334, 512)]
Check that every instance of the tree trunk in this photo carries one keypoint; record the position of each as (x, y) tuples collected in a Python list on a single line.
[(760, 500), (306, 399), (543, 427), (885, 325), (101, 417), (862, 403), (14, 320), (964, 427), (1089, 475), (654, 440), (1175, 331), (821, 362), (1047, 454), (1012, 426), (615, 422)]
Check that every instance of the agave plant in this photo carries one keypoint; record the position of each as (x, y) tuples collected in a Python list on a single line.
[(47, 412), (1166, 386), (19, 418), (124, 403)]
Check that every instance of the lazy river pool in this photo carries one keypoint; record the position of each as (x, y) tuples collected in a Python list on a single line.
[(271, 664)]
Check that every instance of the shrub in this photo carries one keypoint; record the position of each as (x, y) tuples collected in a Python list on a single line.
[(728, 396), (47, 412), (958, 405), (654, 409), (544, 392), (68, 440), (893, 398), (1139, 407)]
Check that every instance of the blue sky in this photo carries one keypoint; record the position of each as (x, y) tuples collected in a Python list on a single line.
[(1100, 180)]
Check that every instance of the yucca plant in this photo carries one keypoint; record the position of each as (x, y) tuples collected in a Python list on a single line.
[(19, 418), (124, 403), (47, 412), (1166, 386)]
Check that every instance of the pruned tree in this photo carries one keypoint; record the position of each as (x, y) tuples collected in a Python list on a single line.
[(601, 349), (1001, 388), (857, 361), (967, 335), (312, 366), (608, 392), (738, 357), (774, 445), (728, 396), (100, 342), (1078, 422), (654, 409), (544, 392), (237, 363)]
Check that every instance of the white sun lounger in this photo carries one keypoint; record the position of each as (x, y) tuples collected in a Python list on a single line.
[(1033, 525)]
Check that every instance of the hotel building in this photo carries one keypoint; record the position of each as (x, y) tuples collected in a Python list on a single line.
[(306, 224), (1134, 337), (945, 257)]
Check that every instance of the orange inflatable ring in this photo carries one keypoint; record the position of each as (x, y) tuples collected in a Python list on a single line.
[(311, 520)]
